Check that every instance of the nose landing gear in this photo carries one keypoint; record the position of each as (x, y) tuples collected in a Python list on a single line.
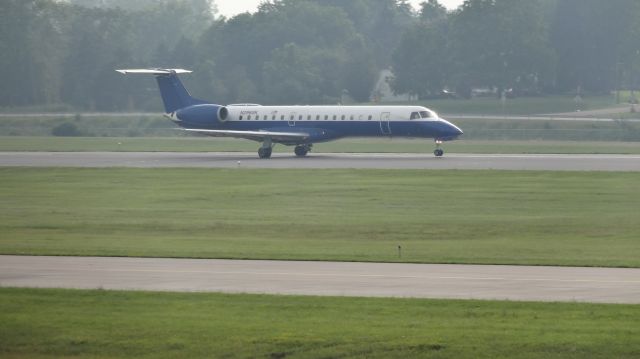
[(438, 152)]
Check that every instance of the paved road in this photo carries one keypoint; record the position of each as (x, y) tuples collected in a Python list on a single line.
[(323, 160), (601, 285)]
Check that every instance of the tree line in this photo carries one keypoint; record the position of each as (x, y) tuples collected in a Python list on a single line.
[(311, 51)]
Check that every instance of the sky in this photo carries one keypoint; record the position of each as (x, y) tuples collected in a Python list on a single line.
[(230, 8)]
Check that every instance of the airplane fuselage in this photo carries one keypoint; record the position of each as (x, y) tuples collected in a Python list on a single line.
[(299, 126), (322, 123)]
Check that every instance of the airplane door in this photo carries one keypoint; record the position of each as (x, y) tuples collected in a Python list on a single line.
[(292, 119), (384, 123)]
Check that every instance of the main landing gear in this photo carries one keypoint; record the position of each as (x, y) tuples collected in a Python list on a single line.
[(302, 150), (264, 152), (266, 149), (438, 152)]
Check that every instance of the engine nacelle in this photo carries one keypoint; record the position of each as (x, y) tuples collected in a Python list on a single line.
[(204, 115)]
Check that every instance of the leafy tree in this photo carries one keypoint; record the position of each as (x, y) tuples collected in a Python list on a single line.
[(359, 71), (300, 33), (501, 43), (431, 11), (100, 41), (381, 23), (421, 60), (595, 42), (66, 129), (310, 51), (30, 39)]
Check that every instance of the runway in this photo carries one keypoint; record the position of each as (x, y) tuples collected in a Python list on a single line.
[(323, 160), (518, 283)]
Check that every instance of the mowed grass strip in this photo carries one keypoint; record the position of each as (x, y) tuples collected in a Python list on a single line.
[(545, 218), (45, 323)]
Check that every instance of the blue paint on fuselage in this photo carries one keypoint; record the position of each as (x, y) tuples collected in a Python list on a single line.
[(321, 131), (331, 122)]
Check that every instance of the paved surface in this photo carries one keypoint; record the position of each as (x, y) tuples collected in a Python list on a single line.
[(603, 285), (323, 160)]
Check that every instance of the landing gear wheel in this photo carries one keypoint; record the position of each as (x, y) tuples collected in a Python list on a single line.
[(438, 151), (264, 152), (301, 150)]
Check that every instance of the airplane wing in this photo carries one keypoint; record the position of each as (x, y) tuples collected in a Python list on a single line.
[(253, 135)]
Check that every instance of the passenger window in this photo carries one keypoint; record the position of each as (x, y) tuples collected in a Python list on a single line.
[(317, 117), (240, 118), (414, 115), (425, 114), (308, 117), (342, 117), (273, 117), (282, 117), (335, 117), (370, 117), (351, 118)]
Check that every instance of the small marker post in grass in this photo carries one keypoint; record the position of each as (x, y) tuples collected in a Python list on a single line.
[(399, 251)]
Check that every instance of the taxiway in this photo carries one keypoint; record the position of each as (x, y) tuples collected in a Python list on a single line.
[(520, 283), (323, 160)]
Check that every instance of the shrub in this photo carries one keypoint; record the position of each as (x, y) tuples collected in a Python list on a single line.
[(66, 129)]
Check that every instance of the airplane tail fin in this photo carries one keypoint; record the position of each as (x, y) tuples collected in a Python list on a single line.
[(174, 95)]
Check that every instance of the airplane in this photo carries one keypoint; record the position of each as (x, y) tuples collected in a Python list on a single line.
[(298, 126)]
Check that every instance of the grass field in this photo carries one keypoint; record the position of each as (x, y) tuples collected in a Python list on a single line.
[(488, 126), (541, 218), (200, 144), (481, 105), (519, 105), (38, 323)]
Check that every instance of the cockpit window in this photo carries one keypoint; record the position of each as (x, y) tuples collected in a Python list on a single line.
[(425, 114), (414, 116)]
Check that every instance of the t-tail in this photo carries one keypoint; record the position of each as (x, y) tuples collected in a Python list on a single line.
[(179, 105)]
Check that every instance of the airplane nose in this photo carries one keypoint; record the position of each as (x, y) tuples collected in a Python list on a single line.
[(457, 130), (454, 131)]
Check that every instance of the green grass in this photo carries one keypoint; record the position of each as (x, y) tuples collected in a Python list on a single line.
[(490, 126), (39, 323), (520, 105), (199, 144), (526, 130), (546, 218), (98, 126), (482, 105)]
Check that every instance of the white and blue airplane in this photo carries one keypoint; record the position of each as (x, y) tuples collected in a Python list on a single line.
[(299, 126)]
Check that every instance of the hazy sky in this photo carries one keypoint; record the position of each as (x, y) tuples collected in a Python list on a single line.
[(229, 8)]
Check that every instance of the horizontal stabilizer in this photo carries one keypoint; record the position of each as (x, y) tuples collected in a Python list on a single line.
[(174, 95), (154, 71)]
